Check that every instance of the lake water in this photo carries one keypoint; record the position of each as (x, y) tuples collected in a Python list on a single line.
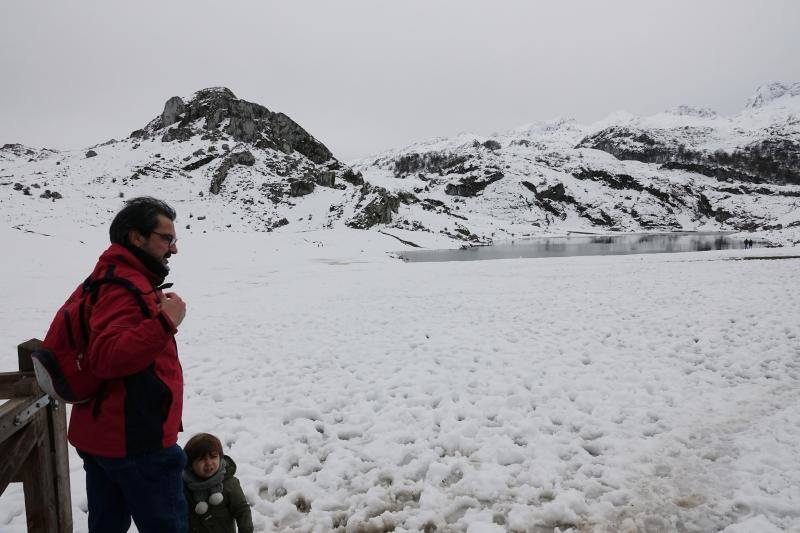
[(629, 243)]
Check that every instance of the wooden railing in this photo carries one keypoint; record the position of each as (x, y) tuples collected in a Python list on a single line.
[(33, 447)]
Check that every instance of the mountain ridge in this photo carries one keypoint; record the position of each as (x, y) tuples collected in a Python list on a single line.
[(238, 165)]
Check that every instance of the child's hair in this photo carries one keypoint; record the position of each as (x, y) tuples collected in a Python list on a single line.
[(201, 445)]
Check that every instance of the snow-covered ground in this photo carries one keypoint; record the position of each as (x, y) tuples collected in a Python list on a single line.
[(620, 393)]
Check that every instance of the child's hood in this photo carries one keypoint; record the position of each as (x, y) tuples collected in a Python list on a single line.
[(230, 467)]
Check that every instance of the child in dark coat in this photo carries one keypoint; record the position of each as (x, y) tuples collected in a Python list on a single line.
[(215, 497)]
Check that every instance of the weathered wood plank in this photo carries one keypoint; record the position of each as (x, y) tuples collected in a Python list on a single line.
[(24, 352), (57, 421), (16, 384), (9, 411), (14, 452), (38, 481)]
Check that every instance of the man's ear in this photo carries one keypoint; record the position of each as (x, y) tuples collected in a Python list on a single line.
[(136, 238)]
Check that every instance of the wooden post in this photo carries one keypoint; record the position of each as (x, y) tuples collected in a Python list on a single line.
[(33, 445), (38, 481), (57, 424), (24, 352)]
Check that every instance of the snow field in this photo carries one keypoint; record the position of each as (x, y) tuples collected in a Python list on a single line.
[(356, 393)]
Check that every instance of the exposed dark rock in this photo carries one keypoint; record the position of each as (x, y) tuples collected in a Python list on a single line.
[(471, 185), (491, 145), (194, 165), (704, 206), (556, 193), (177, 134), (50, 195), (705, 209), (325, 178), (91, 153), (352, 177), (301, 188), (378, 211), (247, 122), (629, 143), (772, 160), (243, 158), (549, 197), (238, 158), (598, 217), (615, 181), (428, 162), (173, 109), (407, 198), (712, 171), (621, 182)]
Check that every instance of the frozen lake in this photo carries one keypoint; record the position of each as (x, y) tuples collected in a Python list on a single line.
[(578, 245)]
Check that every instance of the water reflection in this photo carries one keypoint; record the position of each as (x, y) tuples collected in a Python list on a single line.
[(640, 243)]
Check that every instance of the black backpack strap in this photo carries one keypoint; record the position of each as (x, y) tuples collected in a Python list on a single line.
[(94, 287)]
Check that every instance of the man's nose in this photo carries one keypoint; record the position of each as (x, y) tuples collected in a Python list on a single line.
[(173, 249)]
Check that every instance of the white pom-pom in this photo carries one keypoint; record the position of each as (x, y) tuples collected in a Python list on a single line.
[(201, 508), (215, 499)]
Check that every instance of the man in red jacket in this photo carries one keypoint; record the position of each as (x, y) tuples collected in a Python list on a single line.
[(127, 433)]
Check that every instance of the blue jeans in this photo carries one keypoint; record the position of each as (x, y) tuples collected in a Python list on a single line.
[(146, 487)]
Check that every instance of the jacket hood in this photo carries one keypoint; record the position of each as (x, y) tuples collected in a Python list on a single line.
[(230, 467)]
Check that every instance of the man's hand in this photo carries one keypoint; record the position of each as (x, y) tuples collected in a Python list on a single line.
[(172, 306)]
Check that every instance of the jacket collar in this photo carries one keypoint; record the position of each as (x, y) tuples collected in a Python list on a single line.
[(117, 253)]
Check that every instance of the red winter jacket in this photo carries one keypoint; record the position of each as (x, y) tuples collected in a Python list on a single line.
[(138, 408)]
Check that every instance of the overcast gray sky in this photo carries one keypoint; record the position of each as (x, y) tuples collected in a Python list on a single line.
[(368, 75)]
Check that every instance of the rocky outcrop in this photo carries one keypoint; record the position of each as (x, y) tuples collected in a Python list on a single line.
[(472, 185), (301, 188), (621, 182), (775, 159), (245, 157), (353, 177), (194, 165), (237, 158), (217, 110), (627, 143), (437, 162), (381, 204), (173, 109)]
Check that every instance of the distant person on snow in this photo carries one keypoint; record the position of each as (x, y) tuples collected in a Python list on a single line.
[(216, 501), (127, 434)]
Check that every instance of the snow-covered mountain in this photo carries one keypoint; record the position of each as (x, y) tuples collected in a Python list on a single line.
[(233, 164), (686, 168)]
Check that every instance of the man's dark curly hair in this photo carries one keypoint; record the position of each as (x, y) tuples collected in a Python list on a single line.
[(140, 214)]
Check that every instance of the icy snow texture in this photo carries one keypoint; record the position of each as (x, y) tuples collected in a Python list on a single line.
[(624, 393)]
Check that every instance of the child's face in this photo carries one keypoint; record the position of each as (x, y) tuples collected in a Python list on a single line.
[(206, 466)]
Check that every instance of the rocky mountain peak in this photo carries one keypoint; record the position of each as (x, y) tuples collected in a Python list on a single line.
[(772, 91), (216, 113)]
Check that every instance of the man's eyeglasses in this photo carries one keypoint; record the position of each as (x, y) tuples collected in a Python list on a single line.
[(169, 239)]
